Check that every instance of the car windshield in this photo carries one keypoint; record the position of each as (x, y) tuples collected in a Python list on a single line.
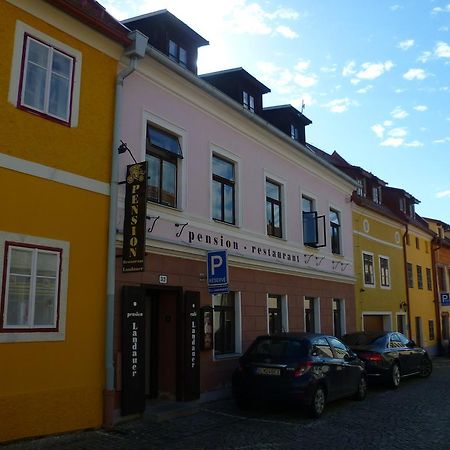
[(279, 348), (364, 339)]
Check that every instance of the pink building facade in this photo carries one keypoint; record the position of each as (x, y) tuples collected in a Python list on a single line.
[(222, 178)]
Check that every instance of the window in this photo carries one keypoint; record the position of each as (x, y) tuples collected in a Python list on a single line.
[(417, 243), (163, 153), (369, 276), (402, 204), (419, 277), (395, 341), (376, 194), (31, 292), (338, 317), (294, 132), (321, 348), (335, 230), (47, 78), (401, 323), (223, 190), (339, 348), (445, 326), (411, 210), (248, 101), (225, 324), (385, 279), (361, 189), (409, 271), (273, 209), (431, 330), (274, 314), (311, 308), (177, 54), (429, 280), (442, 284), (309, 220)]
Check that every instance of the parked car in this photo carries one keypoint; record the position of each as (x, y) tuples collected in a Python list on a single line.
[(389, 355), (304, 368)]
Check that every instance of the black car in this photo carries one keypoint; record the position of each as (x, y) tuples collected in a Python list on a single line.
[(305, 368), (389, 355)]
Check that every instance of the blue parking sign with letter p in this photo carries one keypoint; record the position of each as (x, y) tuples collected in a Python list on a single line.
[(445, 298), (217, 268)]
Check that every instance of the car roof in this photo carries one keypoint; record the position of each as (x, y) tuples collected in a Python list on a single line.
[(294, 335)]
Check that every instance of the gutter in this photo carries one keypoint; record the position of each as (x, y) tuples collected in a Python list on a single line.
[(408, 309), (223, 98), (436, 294), (135, 52)]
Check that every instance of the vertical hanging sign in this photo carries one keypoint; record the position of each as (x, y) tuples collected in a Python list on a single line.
[(135, 218), (133, 350)]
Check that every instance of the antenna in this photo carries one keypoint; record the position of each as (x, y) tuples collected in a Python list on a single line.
[(303, 106)]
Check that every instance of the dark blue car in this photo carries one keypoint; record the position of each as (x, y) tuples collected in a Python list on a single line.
[(305, 368)]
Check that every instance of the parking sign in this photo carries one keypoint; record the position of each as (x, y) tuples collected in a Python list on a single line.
[(217, 271), (445, 298)]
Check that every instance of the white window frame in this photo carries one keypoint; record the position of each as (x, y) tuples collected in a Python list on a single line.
[(21, 334), (373, 285), (232, 158), (14, 95), (237, 329), (338, 211), (282, 183), (342, 317), (284, 312), (181, 134), (316, 304), (384, 286)]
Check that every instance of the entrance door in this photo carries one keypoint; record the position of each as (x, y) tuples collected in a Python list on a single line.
[(373, 323)]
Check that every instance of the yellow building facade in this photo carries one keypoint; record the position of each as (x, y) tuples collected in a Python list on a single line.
[(57, 83), (379, 269), (425, 330)]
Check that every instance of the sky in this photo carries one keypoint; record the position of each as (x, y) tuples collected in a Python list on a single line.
[(373, 76)]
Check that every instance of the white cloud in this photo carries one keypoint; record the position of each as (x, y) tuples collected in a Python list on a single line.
[(405, 45), (438, 9), (349, 69), (443, 194), (421, 108), (374, 70), (415, 74), (278, 78), (399, 91), (424, 57), (302, 65), (442, 141), (442, 50), (397, 132), (355, 81), (305, 99), (399, 113), (305, 80), (339, 105), (395, 7), (365, 90), (387, 123), (326, 69), (414, 144), (378, 130), (286, 32), (392, 142)]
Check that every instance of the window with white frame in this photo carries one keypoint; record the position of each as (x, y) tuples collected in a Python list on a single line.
[(294, 132), (338, 317), (368, 269), (248, 101), (177, 53), (223, 190), (33, 287), (311, 314), (385, 278), (376, 194), (163, 152), (309, 221), (274, 209), (277, 313), (45, 76), (227, 324), (335, 231), (361, 188)]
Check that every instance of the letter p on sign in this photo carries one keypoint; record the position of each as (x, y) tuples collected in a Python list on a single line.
[(216, 263)]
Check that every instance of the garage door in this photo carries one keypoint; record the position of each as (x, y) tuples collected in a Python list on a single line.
[(373, 323)]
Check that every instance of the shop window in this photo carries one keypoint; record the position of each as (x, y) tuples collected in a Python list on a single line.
[(274, 313), (226, 318), (223, 182), (312, 314), (369, 275), (34, 294), (385, 279), (163, 155), (273, 209)]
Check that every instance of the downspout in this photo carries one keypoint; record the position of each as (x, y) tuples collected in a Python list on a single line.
[(437, 308), (136, 51), (405, 261)]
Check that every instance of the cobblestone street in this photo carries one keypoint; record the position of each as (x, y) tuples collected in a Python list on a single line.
[(414, 417)]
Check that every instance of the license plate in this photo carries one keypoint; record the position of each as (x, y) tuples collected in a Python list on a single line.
[(267, 371)]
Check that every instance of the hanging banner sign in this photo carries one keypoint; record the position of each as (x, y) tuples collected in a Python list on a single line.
[(133, 350), (134, 226)]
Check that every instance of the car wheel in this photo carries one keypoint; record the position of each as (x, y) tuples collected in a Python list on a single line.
[(318, 402), (395, 376), (362, 389), (426, 367)]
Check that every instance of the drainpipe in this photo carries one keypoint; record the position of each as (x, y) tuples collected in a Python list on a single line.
[(135, 52), (408, 309), (437, 306)]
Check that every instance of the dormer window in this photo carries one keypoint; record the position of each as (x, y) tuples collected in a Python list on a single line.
[(402, 204), (411, 210), (177, 54), (294, 132), (376, 195), (248, 101), (361, 189)]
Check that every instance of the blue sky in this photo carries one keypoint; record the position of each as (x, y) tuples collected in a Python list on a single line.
[(374, 76)]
